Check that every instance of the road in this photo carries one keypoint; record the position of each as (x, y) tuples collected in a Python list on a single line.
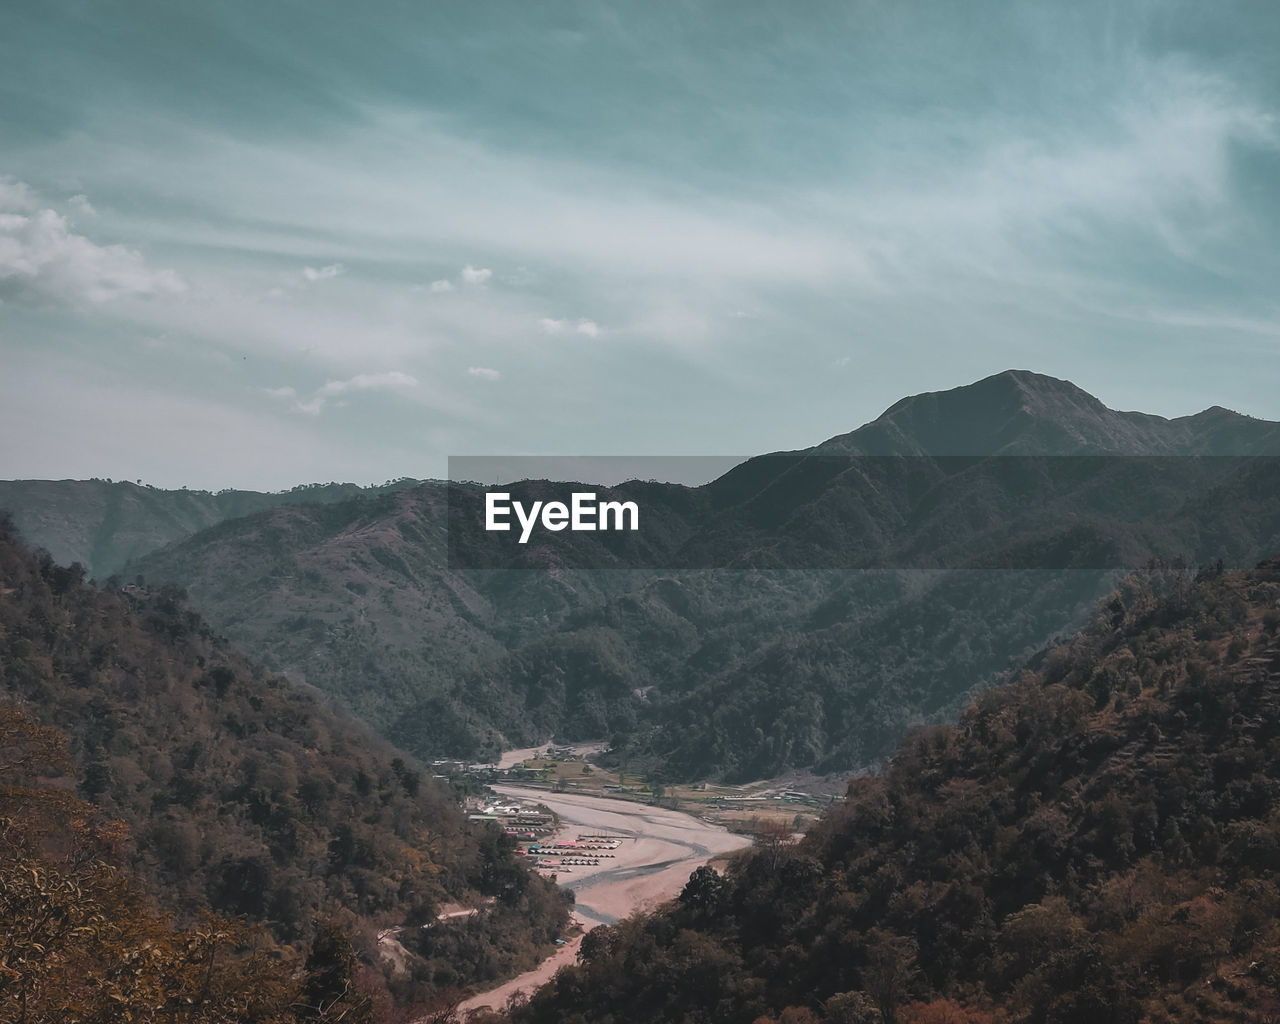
[(650, 867)]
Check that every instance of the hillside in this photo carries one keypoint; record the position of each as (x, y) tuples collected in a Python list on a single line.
[(103, 524), (357, 600), (870, 592), (1094, 840), (81, 941), (243, 794)]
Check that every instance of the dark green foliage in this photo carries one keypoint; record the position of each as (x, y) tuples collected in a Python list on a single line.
[(736, 674), (731, 674), (103, 524), (1094, 840)]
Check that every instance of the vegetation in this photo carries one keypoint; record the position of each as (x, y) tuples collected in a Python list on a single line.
[(82, 943), (237, 793), (104, 523), (784, 662), (743, 674), (1094, 840)]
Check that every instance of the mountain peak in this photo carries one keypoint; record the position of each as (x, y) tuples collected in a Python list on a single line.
[(1020, 412), (1009, 390)]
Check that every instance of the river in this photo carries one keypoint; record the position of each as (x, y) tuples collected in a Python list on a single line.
[(661, 849)]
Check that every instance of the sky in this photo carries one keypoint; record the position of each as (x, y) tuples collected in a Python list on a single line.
[(256, 245)]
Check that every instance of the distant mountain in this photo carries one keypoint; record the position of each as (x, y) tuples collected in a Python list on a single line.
[(103, 524), (1018, 412), (357, 599), (1096, 840), (795, 659)]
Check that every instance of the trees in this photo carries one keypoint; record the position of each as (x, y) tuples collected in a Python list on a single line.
[(79, 941), (1072, 851), (705, 891), (889, 972), (238, 792), (330, 989)]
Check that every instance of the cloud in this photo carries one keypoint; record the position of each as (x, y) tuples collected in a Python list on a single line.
[(323, 273), (42, 259), (284, 392), (483, 372), (392, 380), (474, 275), (439, 287), (590, 328), (15, 196), (1157, 164), (80, 204)]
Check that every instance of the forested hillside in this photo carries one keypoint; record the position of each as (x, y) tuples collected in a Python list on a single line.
[(858, 588), (240, 793), (82, 941), (102, 524), (1095, 840)]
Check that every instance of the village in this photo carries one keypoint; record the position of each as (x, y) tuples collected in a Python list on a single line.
[(535, 827)]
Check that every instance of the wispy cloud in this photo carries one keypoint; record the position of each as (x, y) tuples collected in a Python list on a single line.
[(549, 325), (43, 260), (80, 205), (327, 273), (16, 196), (873, 185), (483, 372), (392, 380), (1153, 167)]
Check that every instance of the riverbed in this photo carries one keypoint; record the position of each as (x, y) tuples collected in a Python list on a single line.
[(658, 851)]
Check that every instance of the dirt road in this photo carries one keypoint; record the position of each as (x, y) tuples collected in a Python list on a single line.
[(652, 864)]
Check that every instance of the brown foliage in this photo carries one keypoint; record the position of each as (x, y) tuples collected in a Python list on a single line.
[(1095, 841), (215, 787)]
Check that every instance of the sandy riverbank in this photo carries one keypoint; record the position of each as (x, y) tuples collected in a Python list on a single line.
[(651, 866)]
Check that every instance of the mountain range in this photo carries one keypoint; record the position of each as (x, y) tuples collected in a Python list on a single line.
[(801, 611), (102, 524)]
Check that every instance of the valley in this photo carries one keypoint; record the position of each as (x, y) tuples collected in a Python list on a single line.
[(640, 513), (871, 582), (808, 624), (659, 850)]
